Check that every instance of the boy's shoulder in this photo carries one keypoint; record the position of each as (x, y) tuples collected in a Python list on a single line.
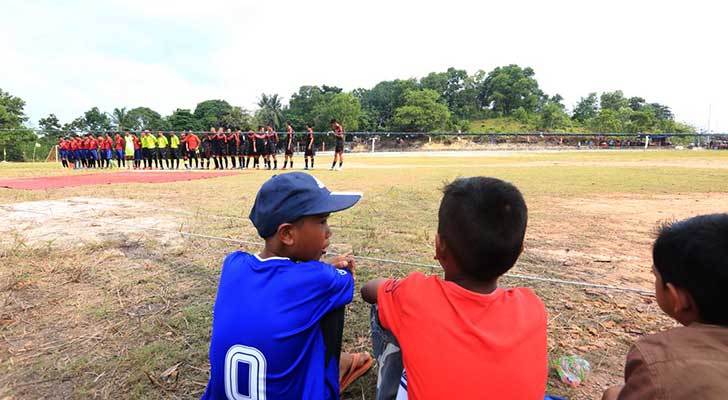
[(252, 263), (696, 341)]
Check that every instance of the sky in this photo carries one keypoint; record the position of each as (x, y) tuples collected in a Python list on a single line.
[(66, 57)]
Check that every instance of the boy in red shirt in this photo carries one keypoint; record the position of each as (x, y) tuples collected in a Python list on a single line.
[(463, 337), (119, 150)]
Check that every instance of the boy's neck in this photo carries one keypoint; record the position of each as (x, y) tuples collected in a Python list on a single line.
[(473, 285)]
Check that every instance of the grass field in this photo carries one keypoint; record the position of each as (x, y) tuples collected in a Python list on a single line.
[(107, 307)]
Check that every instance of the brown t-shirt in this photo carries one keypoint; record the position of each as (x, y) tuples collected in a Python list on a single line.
[(689, 362)]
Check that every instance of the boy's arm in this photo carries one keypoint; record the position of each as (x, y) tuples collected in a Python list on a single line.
[(370, 289)]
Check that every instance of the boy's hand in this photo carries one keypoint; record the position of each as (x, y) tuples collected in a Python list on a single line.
[(344, 261)]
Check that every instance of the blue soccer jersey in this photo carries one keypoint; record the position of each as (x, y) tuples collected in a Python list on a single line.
[(266, 336)]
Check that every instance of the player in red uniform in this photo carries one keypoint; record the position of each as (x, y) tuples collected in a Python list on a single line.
[(119, 150)]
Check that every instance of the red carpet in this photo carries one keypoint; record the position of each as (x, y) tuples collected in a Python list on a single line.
[(53, 182)]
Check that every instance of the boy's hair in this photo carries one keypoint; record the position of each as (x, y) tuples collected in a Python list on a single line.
[(693, 255), (333, 121), (483, 221)]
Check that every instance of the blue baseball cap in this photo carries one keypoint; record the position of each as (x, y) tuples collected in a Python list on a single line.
[(287, 197)]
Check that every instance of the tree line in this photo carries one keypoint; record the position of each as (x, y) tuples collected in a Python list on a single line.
[(441, 101)]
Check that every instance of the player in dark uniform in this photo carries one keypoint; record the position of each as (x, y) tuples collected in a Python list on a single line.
[(310, 150), (259, 147), (288, 145), (339, 146), (233, 145), (272, 137), (242, 148), (249, 147), (206, 150), (222, 153)]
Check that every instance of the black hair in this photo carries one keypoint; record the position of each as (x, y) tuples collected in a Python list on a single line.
[(483, 222), (693, 255), (333, 120)]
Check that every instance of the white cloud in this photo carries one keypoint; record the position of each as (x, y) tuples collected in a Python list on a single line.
[(668, 52)]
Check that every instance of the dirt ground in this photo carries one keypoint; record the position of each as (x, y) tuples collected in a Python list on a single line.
[(94, 303)]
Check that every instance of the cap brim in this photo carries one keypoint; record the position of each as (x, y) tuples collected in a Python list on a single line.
[(336, 201)]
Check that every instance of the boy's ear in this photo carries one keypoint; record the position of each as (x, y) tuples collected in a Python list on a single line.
[(285, 234), (684, 308), (440, 248)]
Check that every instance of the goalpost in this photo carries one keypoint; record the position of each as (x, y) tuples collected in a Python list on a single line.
[(53, 154)]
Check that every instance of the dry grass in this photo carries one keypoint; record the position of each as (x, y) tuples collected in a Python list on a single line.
[(130, 317)]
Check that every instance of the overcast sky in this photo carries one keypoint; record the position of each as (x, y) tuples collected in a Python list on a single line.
[(66, 57)]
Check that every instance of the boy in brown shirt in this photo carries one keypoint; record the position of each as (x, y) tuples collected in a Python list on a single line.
[(690, 260)]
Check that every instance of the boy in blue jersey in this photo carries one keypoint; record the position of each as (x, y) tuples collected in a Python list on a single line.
[(279, 315)]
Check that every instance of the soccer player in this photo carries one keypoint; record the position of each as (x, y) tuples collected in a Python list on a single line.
[(93, 149), (174, 150), (103, 151), (109, 150), (289, 146), (233, 146), (162, 144), (339, 147), (137, 151), (62, 152), (242, 145), (207, 148), (278, 317), (260, 147), (272, 146), (119, 148), (129, 144), (310, 151), (250, 147)]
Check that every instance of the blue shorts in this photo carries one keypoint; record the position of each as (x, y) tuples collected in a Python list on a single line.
[(77, 154), (62, 154), (137, 154), (94, 154), (108, 154), (120, 154)]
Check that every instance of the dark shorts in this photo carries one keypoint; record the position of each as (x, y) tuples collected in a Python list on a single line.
[(289, 151), (108, 154), (174, 154), (310, 152), (192, 153), (339, 148), (120, 154), (206, 152), (249, 148), (271, 148), (94, 154), (138, 154), (259, 147)]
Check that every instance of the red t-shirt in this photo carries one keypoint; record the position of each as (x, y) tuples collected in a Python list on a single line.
[(119, 143), (458, 344), (104, 144), (109, 142), (92, 144), (137, 143), (192, 141)]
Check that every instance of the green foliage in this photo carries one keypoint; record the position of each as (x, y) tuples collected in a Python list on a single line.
[(421, 112), (505, 89), (271, 111), (239, 118), (553, 115), (344, 107), (50, 124), (12, 116), (211, 113), (613, 100), (587, 108), (385, 98), (95, 120), (141, 118), (182, 119)]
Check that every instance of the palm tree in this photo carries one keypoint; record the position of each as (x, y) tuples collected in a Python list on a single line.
[(270, 110), (119, 117)]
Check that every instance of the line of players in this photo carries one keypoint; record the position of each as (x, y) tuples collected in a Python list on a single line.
[(227, 149)]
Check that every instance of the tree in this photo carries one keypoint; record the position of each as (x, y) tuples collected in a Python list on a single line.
[(120, 118), (386, 97), (50, 124), (239, 118), (343, 107), (553, 114), (182, 119), (451, 86), (95, 120), (210, 113), (613, 100), (636, 103), (587, 108), (301, 107), (270, 111), (505, 89), (141, 118), (14, 136), (421, 112)]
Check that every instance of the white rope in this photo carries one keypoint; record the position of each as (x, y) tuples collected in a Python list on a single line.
[(397, 262)]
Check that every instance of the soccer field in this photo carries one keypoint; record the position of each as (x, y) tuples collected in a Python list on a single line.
[(101, 298)]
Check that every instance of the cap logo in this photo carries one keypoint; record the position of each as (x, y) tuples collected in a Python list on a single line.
[(318, 182)]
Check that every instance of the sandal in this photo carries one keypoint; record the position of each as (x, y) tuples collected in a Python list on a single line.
[(353, 373)]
